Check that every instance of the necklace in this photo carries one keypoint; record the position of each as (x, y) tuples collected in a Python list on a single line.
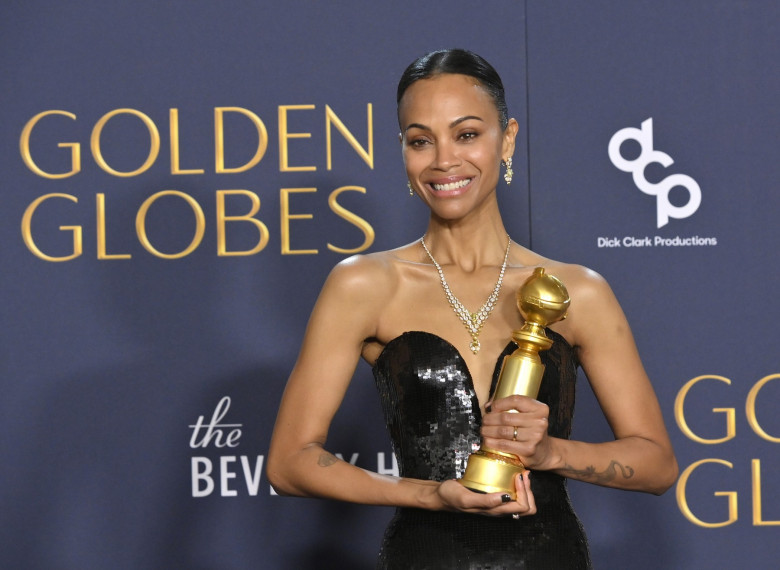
[(472, 321)]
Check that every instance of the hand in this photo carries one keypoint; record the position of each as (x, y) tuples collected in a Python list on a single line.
[(518, 425), (456, 497)]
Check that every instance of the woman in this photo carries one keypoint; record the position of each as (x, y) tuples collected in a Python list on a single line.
[(436, 367)]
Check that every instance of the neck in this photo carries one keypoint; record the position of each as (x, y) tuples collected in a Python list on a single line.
[(469, 244)]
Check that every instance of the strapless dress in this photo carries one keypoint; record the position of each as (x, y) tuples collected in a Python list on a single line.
[(433, 416)]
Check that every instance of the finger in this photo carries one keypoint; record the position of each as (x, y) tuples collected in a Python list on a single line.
[(532, 431), (516, 418), (495, 504), (493, 500), (483, 501), (502, 431), (516, 402), (462, 498), (525, 496)]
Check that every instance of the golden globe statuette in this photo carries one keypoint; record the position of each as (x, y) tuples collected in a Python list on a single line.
[(542, 300)]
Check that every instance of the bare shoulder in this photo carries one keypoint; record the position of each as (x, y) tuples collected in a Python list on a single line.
[(578, 279), (372, 277), (360, 270), (350, 303), (581, 282)]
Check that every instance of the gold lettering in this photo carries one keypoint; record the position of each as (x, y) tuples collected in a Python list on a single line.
[(332, 118), (27, 229), (24, 147), (682, 501), (286, 216), (284, 135), (757, 520), (352, 218), (174, 131), (140, 224), (222, 218), (101, 231), (679, 412), (750, 408), (219, 139), (154, 147)]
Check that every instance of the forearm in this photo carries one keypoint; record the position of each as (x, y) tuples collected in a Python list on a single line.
[(315, 472), (631, 463)]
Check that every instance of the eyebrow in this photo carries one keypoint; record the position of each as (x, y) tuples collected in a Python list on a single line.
[(454, 123)]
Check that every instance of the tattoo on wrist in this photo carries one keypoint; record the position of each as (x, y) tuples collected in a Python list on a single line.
[(326, 459), (602, 477)]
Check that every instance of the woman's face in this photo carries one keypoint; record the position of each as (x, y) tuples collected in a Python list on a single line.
[(453, 143)]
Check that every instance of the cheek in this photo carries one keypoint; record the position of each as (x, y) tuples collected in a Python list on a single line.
[(486, 158), (487, 154), (414, 161)]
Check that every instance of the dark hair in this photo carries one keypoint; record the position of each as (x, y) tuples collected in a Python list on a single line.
[(462, 62)]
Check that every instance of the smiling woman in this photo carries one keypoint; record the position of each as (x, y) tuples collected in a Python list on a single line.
[(451, 136), (436, 378)]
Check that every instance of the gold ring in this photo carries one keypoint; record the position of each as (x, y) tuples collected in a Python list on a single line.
[(514, 438)]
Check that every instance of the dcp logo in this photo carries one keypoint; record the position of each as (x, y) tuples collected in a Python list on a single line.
[(660, 190)]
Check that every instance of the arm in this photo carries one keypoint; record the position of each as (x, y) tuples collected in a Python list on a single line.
[(641, 456), (345, 315)]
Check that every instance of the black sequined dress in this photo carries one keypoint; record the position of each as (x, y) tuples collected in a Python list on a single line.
[(433, 416)]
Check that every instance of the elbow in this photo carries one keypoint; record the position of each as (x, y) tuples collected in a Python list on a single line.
[(667, 475), (279, 477), (280, 485)]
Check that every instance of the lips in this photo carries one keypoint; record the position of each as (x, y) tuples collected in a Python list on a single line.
[(448, 187)]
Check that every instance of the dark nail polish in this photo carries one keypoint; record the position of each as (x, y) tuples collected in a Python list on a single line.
[(505, 498), (521, 476), (488, 407)]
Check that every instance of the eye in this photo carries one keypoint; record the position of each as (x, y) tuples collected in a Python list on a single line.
[(418, 142), (468, 136)]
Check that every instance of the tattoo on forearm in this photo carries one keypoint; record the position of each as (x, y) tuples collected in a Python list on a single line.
[(601, 477), (326, 459)]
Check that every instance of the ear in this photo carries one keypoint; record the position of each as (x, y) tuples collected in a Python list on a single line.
[(510, 134)]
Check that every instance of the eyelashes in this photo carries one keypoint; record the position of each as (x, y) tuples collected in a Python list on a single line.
[(422, 142)]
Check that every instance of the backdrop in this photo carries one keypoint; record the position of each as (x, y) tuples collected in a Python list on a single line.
[(178, 178)]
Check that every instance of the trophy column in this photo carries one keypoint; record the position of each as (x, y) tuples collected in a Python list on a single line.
[(542, 300)]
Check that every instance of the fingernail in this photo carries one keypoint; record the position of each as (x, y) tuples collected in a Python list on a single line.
[(521, 476), (488, 407), (505, 498)]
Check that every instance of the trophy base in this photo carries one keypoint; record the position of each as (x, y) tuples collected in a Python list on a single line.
[(492, 472)]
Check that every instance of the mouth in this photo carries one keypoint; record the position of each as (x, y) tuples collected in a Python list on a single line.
[(450, 186)]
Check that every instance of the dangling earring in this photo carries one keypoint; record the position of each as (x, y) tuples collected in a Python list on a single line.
[(409, 186), (509, 172)]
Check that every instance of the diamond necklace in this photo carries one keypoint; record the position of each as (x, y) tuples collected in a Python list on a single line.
[(472, 321)]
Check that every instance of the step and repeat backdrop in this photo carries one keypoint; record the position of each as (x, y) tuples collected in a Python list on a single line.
[(178, 179)]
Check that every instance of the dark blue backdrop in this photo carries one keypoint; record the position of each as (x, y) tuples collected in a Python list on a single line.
[(114, 363)]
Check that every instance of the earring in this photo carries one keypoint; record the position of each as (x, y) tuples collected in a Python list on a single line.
[(509, 172), (409, 186)]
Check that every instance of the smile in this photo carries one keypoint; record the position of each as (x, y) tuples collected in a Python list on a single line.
[(451, 185)]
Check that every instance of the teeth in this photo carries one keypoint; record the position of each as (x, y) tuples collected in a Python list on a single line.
[(451, 185)]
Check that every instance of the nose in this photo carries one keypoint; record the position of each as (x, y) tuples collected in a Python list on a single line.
[(446, 156)]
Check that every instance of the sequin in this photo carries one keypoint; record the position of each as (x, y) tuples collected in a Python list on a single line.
[(433, 416)]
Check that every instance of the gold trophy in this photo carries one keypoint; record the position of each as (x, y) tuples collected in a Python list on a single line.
[(542, 300)]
